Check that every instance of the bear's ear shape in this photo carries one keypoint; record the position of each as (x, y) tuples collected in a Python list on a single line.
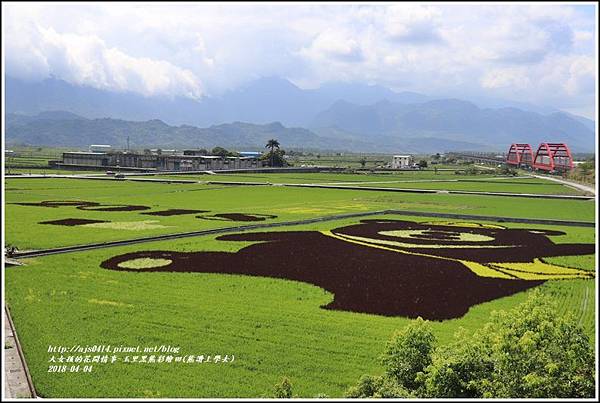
[(464, 224), (546, 232), (387, 221), (261, 236)]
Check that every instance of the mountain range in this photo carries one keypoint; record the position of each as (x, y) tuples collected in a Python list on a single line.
[(60, 128), (261, 101), (456, 120), (336, 116)]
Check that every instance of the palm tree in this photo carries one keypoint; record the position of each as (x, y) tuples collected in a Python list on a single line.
[(272, 144)]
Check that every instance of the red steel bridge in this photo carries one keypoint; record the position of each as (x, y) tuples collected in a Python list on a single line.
[(550, 157)]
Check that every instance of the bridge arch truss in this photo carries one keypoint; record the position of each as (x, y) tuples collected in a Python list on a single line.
[(553, 157), (520, 154)]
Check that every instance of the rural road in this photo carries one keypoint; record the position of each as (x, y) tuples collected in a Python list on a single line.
[(579, 186)]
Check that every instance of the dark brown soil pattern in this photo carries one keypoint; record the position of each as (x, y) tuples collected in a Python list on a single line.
[(71, 222), (238, 217), (85, 205), (372, 280), (122, 207), (60, 203), (171, 212)]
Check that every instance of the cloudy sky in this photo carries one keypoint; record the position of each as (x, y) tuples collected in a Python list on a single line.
[(539, 53)]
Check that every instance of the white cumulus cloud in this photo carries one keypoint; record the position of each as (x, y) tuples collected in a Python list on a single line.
[(525, 52)]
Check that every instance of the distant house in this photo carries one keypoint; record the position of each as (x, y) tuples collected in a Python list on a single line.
[(402, 161)]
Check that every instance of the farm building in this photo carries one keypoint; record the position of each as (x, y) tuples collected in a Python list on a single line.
[(402, 161), (88, 158), (169, 161)]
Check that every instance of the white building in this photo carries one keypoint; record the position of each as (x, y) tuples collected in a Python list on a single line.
[(402, 161), (100, 148)]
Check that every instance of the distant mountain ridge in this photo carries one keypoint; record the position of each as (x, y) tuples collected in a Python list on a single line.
[(455, 120), (366, 117), (261, 101), (64, 129), (58, 129)]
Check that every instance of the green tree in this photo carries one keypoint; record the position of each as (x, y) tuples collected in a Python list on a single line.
[(283, 390), (459, 370), (505, 170), (422, 164), (377, 386), (537, 353), (363, 162), (530, 351), (527, 352), (272, 144), (409, 353), (220, 151), (276, 158), (472, 170), (586, 167)]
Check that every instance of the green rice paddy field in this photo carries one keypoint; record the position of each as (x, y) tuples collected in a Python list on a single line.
[(273, 327), (443, 180), (291, 177), (50, 171), (24, 230)]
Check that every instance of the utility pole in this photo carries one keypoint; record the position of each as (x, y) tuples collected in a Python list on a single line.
[(127, 143)]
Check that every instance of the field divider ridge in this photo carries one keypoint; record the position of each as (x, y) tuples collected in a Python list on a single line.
[(441, 191), (75, 248), (108, 244)]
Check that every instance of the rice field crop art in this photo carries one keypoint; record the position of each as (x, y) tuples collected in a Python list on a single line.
[(238, 217), (387, 267), (177, 206), (172, 212), (85, 205), (72, 222)]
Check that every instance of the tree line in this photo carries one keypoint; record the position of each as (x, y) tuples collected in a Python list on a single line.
[(526, 352)]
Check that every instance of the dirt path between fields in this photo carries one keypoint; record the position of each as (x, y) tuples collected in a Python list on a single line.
[(17, 382), (578, 186)]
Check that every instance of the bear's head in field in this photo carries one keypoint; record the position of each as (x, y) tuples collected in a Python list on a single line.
[(387, 267)]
